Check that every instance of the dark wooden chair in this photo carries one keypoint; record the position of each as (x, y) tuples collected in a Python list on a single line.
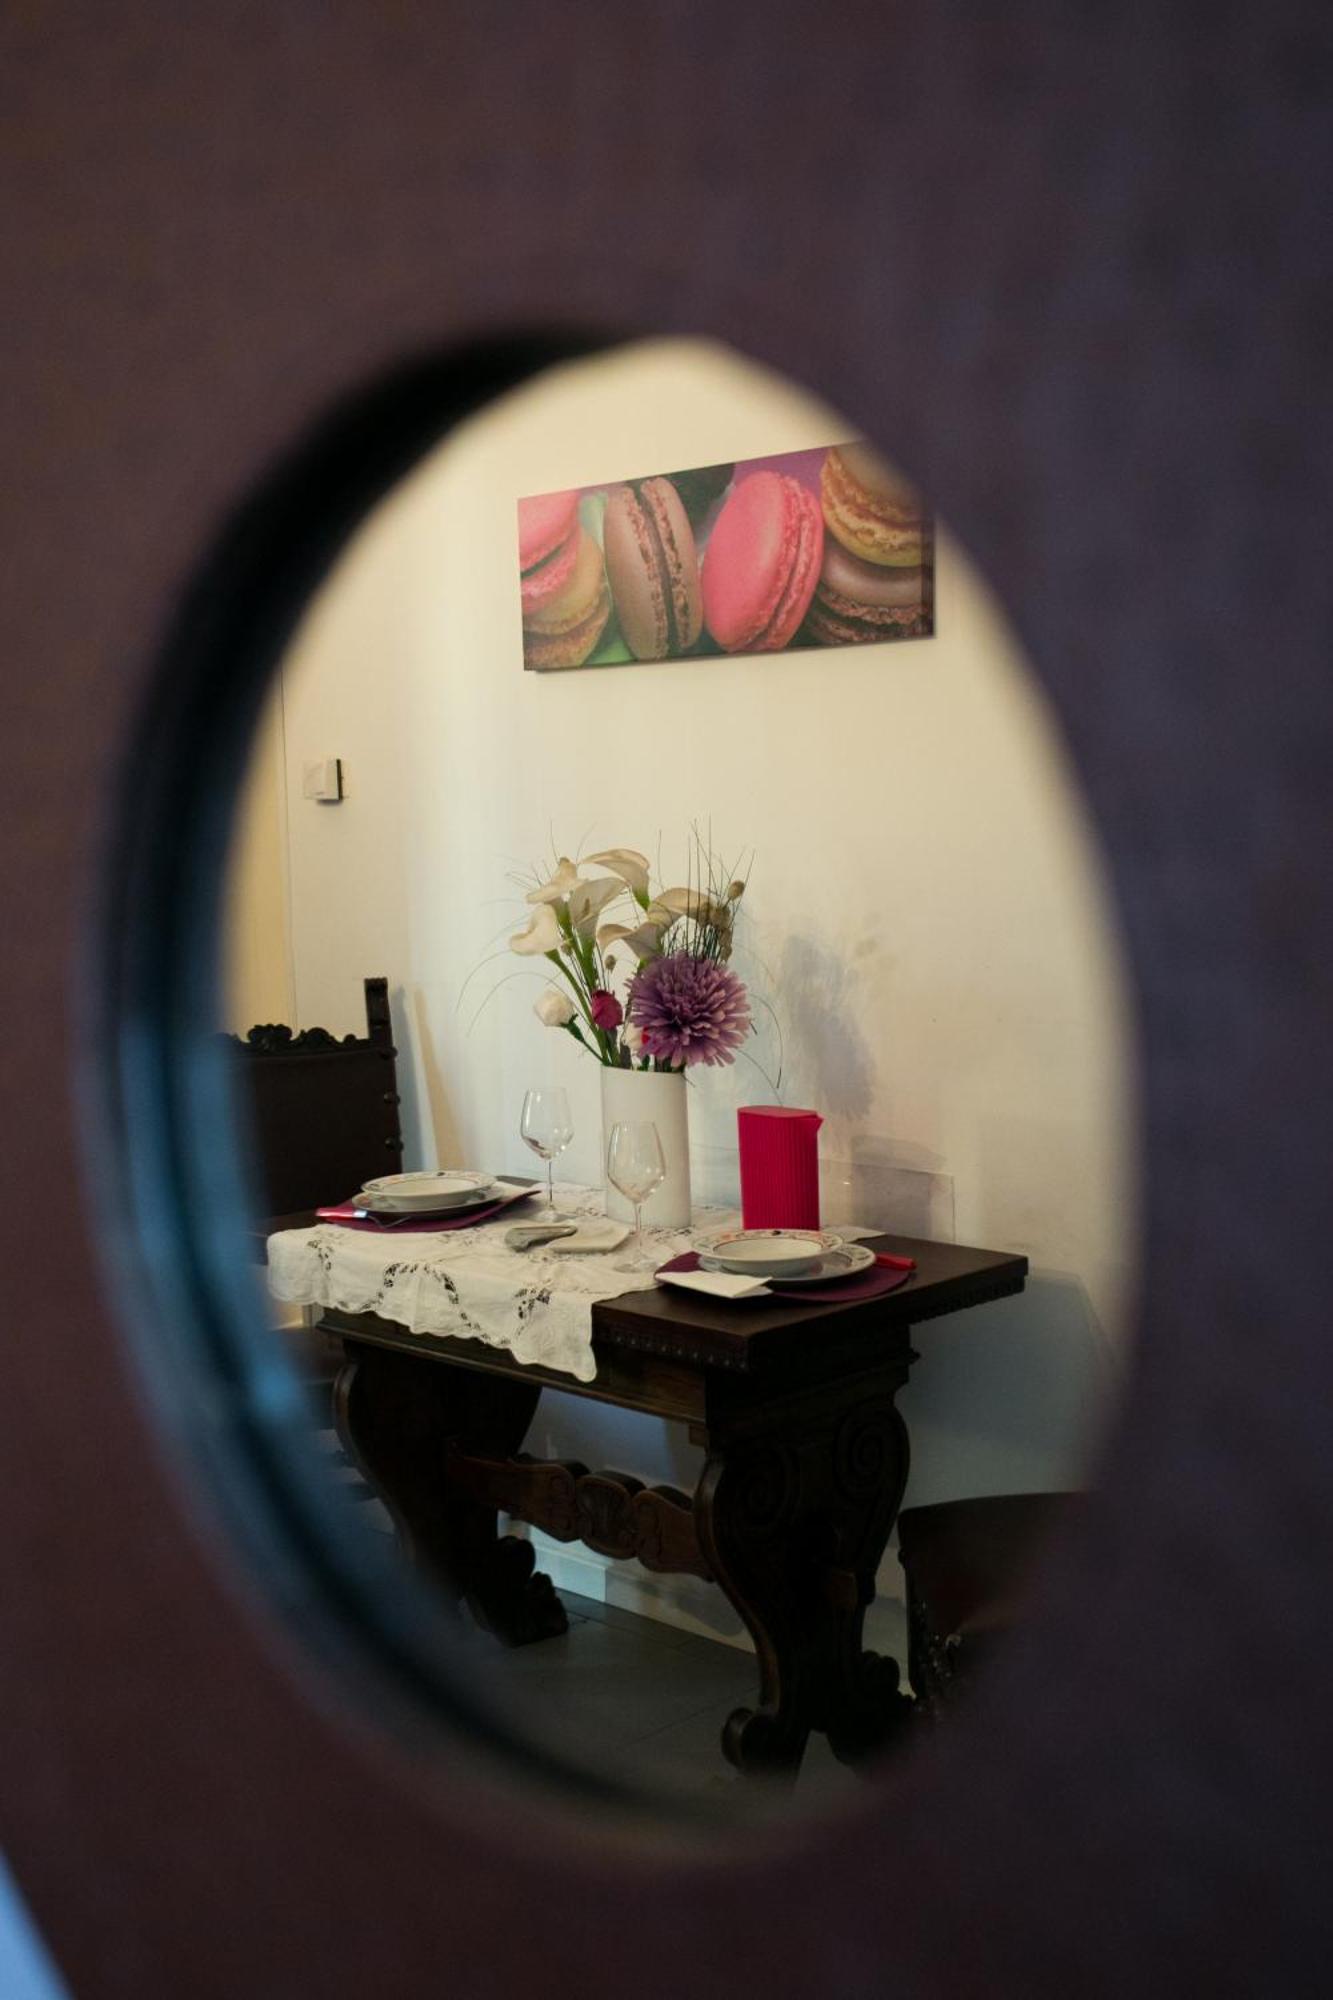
[(323, 1118), (323, 1113), (967, 1565)]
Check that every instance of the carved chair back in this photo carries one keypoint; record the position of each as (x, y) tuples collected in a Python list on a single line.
[(323, 1114)]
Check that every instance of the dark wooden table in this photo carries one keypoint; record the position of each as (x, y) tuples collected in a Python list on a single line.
[(806, 1462)]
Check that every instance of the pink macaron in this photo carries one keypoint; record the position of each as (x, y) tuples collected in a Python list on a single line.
[(548, 546), (762, 563)]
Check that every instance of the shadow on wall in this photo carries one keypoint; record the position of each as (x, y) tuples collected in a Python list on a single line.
[(1009, 1398), (430, 1134), (863, 1176), (818, 999), (822, 999)]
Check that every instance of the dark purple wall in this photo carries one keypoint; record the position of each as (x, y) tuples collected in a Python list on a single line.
[(1071, 260)]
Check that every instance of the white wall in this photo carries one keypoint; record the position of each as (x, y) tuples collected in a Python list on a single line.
[(924, 912), (259, 983)]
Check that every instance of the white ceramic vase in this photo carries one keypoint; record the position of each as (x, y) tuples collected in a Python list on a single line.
[(634, 1095)]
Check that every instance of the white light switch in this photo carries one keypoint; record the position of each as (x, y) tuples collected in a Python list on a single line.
[(323, 780)]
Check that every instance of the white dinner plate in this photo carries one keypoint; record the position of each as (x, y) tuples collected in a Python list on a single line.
[(425, 1211), (846, 1260), (406, 1194), (768, 1253)]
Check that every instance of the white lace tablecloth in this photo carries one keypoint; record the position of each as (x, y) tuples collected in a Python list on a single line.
[(468, 1284)]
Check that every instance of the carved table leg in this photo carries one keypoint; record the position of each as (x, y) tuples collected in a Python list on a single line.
[(747, 1507), (794, 1512), (863, 1704), (399, 1420)]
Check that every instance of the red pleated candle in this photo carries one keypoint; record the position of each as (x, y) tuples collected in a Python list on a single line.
[(779, 1167)]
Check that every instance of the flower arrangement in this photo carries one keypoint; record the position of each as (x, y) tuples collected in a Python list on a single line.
[(656, 992)]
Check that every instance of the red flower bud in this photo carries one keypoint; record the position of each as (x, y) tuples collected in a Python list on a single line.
[(607, 1012)]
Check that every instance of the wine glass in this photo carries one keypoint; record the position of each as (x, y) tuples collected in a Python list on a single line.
[(635, 1164), (547, 1126)]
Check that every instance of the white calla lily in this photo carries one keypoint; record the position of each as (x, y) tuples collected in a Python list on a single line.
[(673, 903), (565, 878), (646, 941), (554, 1009), (541, 935), (609, 934), (627, 863), (589, 899)]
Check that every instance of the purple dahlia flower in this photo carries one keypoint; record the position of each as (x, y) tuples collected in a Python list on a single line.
[(689, 1010)]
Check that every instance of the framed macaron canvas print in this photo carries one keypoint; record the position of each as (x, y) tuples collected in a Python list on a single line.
[(826, 547)]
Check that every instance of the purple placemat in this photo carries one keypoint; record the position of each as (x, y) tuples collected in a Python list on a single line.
[(870, 1284), (346, 1217)]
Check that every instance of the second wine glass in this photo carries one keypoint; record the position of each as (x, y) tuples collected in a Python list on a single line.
[(636, 1164), (547, 1126)]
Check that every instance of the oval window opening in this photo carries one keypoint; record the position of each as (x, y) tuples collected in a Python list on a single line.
[(621, 1091)]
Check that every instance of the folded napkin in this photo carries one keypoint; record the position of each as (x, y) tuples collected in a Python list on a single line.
[(684, 1271), (348, 1215), (594, 1233)]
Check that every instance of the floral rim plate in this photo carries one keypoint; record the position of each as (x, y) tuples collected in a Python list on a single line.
[(845, 1260), (423, 1211), (768, 1253), (406, 1192), (849, 1260)]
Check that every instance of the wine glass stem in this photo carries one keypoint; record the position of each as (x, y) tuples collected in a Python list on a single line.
[(638, 1233), (550, 1189)]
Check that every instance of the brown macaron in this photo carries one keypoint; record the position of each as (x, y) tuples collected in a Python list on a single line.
[(857, 601), (653, 569)]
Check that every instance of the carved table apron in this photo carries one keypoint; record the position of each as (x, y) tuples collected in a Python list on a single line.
[(806, 1462)]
